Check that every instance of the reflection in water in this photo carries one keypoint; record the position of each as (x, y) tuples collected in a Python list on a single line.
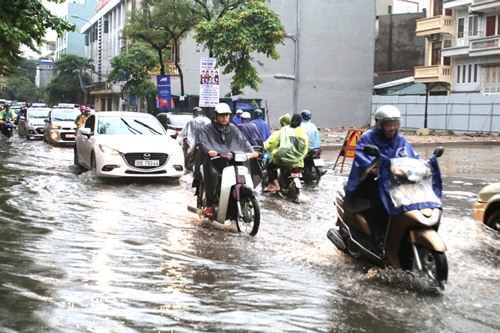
[(78, 253)]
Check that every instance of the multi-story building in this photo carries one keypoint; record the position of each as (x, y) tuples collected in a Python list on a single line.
[(44, 72), (463, 47), (400, 6), (74, 42)]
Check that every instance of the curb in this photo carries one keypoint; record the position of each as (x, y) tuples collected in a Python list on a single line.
[(455, 144)]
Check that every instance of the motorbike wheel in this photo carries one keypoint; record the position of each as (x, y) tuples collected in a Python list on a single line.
[(434, 266), (200, 200), (250, 222), (9, 133), (494, 221), (314, 176)]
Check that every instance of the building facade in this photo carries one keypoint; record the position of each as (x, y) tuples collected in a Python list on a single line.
[(463, 52), (326, 64), (401, 6), (44, 72)]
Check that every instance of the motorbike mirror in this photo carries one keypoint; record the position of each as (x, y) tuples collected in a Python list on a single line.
[(371, 150), (439, 151)]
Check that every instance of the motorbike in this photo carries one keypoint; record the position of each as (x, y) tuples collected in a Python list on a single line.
[(289, 179), (7, 127), (411, 239), (313, 167), (236, 199)]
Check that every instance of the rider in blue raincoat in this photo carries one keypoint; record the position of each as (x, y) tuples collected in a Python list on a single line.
[(250, 131), (265, 133), (311, 129), (391, 145)]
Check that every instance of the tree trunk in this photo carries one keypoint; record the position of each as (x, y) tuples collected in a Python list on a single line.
[(162, 65), (176, 57)]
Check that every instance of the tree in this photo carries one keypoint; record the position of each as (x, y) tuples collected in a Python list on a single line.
[(27, 68), (22, 89), (68, 84), (135, 73), (25, 22), (234, 37)]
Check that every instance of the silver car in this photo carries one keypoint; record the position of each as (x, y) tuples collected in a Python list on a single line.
[(487, 207), (32, 126), (60, 126)]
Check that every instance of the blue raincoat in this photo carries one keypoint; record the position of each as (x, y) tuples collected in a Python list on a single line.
[(312, 133), (251, 132), (236, 120), (265, 133), (389, 149)]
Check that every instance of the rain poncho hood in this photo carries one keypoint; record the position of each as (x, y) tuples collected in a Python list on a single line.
[(285, 120), (312, 133), (397, 147), (191, 131), (251, 132), (288, 146), (265, 133)]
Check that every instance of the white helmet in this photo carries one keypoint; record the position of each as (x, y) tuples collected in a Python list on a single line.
[(222, 108), (387, 113), (246, 115)]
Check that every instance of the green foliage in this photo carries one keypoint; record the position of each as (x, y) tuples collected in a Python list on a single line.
[(22, 89), (250, 28), (254, 103), (27, 69), (136, 73), (66, 86), (25, 22)]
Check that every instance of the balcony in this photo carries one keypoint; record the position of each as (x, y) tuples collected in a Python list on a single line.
[(438, 73), (456, 4), (459, 44), (485, 6), (485, 46), (435, 25)]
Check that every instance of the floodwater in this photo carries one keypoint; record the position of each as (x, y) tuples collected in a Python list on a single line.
[(82, 254)]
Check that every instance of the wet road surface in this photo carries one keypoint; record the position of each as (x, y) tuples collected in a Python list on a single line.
[(82, 254)]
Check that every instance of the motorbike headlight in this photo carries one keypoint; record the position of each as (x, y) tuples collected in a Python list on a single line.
[(56, 127), (109, 151), (240, 158)]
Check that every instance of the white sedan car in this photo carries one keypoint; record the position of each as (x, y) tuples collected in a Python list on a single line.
[(127, 144)]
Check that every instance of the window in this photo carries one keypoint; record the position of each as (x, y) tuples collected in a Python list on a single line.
[(473, 25), (470, 74), (491, 74), (446, 61), (106, 25), (458, 73), (475, 73), (464, 73), (490, 25), (86, 39), (436, 54), (460, 27)]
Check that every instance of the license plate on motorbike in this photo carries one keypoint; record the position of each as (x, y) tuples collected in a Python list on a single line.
[(242, 171), (319, 162), (146, 163), (297, 175)]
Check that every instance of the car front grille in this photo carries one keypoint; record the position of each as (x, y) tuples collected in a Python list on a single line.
[(132, 157), (39, 130)]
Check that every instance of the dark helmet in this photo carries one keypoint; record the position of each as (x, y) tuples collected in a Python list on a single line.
[(258, 112), (306, 115), (197, 111)]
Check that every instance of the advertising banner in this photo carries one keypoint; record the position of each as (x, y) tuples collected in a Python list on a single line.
[(164, 93), (209, 82)]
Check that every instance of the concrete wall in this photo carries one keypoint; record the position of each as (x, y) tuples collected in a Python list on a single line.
[(397, 47), (337, 41), (458, 113)]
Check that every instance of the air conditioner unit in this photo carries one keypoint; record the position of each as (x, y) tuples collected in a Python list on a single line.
[(434, 37)]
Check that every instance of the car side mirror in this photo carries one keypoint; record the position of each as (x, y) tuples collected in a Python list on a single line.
[(85, 131), (46, 120), (439, 151), (371, 150)]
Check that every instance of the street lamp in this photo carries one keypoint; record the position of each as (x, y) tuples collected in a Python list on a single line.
[(91, 51)]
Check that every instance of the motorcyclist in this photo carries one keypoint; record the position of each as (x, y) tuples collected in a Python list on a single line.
[(385, 136), (250, 131), (265, 133), (82, 111), (6, 113), (187, 137), (215, 138), (237, 117), (285, 156), (311, 129), (83, 118), (23, 112)]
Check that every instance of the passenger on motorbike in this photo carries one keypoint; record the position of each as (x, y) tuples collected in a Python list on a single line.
[(250, 131), (311, 129), (83, 118), (189, 134), (216, 138), (82, 111), (391, 144), (6, 113), (291, 155), (237, 117), (265, 133)]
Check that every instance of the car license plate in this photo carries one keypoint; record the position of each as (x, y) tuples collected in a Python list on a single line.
[(319, 162), (296, 175), (70, 136), (143, 163)]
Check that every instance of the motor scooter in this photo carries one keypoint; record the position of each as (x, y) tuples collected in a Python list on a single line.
[(313, 167), (236, 199), (411, 240), (7, 127), (289, 179)]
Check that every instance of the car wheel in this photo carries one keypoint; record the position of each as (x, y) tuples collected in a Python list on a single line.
[(92, 161), (494, 221)]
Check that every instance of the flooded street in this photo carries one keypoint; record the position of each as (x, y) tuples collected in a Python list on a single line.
[(82, 254)]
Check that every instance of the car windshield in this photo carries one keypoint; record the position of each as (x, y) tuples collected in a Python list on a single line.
[(38, 113), (130, 125), (65, 115), (180, 120)]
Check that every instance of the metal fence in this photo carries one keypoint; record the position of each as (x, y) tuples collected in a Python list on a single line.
[(457, 113)]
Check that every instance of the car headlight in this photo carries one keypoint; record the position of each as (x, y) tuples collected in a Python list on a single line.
[(176, 151), (56, 127), (109, 151)]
